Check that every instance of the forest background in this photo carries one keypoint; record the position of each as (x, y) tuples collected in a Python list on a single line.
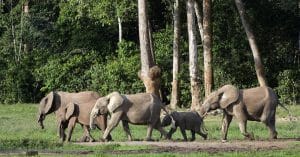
[(74, 46)]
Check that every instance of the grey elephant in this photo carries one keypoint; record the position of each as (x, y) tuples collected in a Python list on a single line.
[(254, 104), (57, 102), (139, 109), (185, 121)]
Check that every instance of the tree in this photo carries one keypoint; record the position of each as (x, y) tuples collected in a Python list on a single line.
[(176, 55), (207, 46), (199, 19), (149, 74), (193, 56), (259, 68)]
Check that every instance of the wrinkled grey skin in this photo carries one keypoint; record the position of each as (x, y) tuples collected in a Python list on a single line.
[(254, 104), (139, 109), (57, 102), (185, 121)]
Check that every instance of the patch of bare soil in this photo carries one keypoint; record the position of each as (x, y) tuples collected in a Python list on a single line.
[(210, 146), (199, 146)]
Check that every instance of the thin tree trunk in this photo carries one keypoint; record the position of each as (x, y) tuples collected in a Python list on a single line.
[(259, 68), (176, 53), (149, 74), (199, 19), (120, 28), (207, 45), (26, 14), (150, 39), (193, 55)]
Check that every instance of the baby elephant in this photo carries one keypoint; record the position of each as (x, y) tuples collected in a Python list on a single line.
[(186, 121)]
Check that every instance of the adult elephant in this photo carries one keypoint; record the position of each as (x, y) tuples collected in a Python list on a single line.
[(254, 104), (140, 109), (57, 102)]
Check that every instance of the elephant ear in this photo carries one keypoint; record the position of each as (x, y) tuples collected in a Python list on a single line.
[(49, 102), (70, 110), (115, 101), (228, 95)]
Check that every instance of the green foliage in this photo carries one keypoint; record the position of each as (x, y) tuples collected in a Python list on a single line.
[(67, 73), (72, 45), (289, 86), (118, 73)]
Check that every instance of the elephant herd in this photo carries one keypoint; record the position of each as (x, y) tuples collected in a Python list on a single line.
[(90, 110)]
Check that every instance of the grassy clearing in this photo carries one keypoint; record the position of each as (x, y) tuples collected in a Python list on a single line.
[(20, 131)]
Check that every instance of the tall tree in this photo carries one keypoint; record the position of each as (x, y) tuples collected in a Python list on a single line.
[(207, 45), (193, 55), (198, 12), (176, 53), (149, 74), (259, 68)]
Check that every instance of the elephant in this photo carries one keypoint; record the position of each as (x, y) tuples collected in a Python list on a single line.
[(254, 104), (186, 121), (138, 109), (57, 102)]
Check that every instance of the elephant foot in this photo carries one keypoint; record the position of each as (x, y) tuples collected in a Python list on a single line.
[(205, 137), (224, 141), (103, 140), (249, 136), (148, 139), (83, 139), (192, 139), (273, 136)]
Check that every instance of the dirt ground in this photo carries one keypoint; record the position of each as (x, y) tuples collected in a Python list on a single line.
[(200, 146)]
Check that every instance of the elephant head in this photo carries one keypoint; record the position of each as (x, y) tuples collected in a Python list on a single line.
[(105, 105), (221, 98), (46, 105)]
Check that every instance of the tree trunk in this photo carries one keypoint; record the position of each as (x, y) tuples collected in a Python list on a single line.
[(26, 13), (149, 74), (259, 68), (193, 57), (120, 29), (207, 45), (176, 53), (199, 19)]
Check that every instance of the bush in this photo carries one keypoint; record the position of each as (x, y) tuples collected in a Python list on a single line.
[(289, 86), (118, 73)]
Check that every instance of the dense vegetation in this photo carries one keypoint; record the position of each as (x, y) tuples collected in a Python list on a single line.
[(73, 46)]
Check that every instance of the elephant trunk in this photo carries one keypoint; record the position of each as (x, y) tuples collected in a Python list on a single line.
[(92, 118), (41, 120)]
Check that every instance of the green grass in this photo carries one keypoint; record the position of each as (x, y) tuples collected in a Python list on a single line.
[(19, 130)]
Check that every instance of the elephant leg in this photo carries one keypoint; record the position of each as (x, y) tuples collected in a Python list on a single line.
[(272, 128), (171, 132), (102, 124), (61, 130), (182, 130), (149, 133), (225, 125), (88, 134), (243, 129), (161, 130), (71, 126), (114, 121), (193, 135), (127, 130), (203, 134)]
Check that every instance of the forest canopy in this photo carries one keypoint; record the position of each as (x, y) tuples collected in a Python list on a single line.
[(74, 45)]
